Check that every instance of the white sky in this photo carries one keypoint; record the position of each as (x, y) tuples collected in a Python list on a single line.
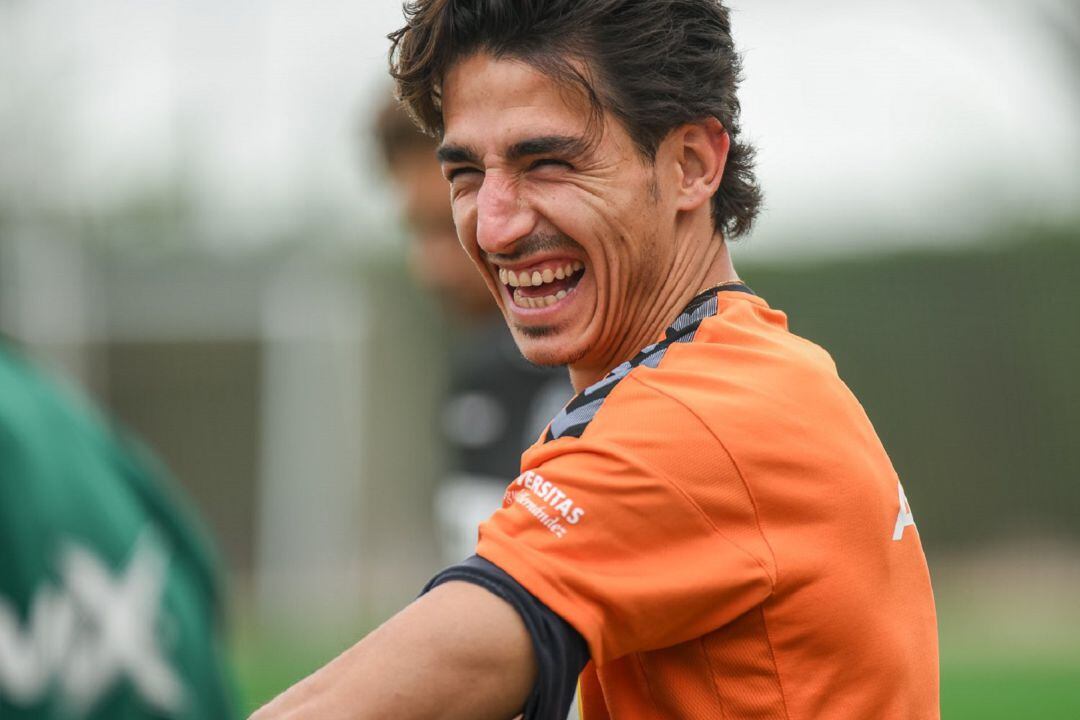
[(874, 119)]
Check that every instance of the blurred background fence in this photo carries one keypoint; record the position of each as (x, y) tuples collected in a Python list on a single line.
[(192, 229)]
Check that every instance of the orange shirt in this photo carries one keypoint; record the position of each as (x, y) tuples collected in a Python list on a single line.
[(720, 522)]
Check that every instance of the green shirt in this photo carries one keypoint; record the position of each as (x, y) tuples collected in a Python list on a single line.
[(108, 592)]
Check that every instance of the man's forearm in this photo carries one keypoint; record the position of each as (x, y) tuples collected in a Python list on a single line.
[(457, 652)]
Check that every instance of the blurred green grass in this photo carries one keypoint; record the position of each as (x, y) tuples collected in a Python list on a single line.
[(1001, 689), (267, 663)]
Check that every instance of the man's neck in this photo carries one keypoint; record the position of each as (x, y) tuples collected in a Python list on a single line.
[(691, 275)]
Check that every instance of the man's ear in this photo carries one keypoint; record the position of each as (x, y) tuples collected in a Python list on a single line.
[(700, 151)]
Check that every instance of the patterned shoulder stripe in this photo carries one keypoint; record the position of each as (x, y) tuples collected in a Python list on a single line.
[(579, 412)]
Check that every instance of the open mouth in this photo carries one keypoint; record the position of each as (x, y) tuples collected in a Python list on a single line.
[(544, 285)]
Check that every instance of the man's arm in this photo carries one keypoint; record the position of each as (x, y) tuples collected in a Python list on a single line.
[(459, 651)]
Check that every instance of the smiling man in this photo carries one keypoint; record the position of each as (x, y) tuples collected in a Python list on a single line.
[(710, 528)]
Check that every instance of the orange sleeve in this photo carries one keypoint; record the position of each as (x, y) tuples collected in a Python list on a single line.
[(613, 540)]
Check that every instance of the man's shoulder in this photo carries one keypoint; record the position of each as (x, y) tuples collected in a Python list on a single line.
[(745, 361), (739, 361)]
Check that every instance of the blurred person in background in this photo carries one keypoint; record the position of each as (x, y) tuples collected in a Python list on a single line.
[(497, 403), (109, 601)]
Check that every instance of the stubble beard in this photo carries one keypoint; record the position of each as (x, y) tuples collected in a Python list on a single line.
[(545, 359)]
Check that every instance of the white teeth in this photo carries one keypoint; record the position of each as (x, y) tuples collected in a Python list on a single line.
[(537, 278), (538, 302)]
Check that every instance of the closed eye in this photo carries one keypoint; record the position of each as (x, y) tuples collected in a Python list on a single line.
[(458, 172), (550, 162)]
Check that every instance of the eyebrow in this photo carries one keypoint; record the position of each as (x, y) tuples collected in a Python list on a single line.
[(565, 145), (457, 154)]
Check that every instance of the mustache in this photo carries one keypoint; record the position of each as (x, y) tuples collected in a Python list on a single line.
[(533, 245)]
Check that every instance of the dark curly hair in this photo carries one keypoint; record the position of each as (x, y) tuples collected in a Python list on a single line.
[(653, 64)]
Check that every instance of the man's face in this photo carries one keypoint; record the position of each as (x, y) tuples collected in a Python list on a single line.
[(435, 258), (562, 218)]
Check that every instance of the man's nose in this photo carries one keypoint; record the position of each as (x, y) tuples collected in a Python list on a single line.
[(502, 217)]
